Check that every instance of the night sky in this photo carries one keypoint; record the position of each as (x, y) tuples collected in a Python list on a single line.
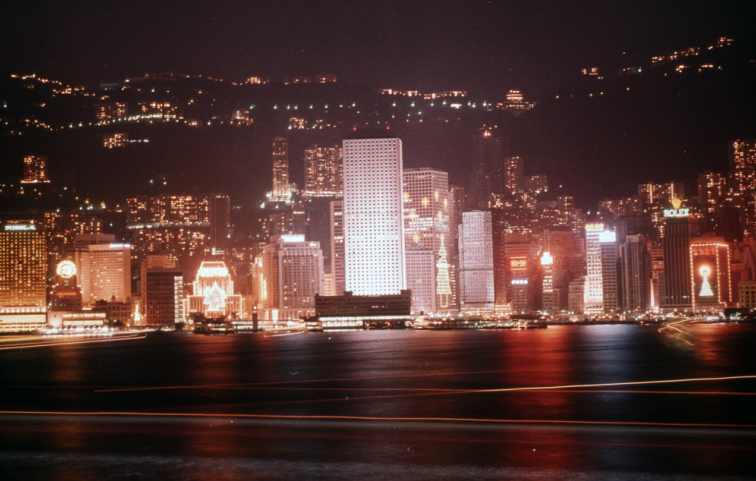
[(486, 47)]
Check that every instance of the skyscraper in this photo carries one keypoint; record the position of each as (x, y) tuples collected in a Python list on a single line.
[(710, 273), (281, 183), (324, 171), (476, 263), (594, 287), (35, 170), (636, 274), (373, 217), (676, 286), (103, 266), (488, 173), (337, 247), (163, 296), (220, 220), (514, 180), (426, 220)]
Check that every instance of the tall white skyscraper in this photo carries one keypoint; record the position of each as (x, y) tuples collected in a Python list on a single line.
[(594, 287), (373, 220), (103, 266)]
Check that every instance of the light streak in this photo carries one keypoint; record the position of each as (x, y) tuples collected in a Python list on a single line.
[(372, 418), (130, 337)]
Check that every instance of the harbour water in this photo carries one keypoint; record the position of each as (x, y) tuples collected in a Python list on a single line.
[(567, 402)]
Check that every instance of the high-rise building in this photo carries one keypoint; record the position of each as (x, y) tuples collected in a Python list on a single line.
[(549, 294), (324, 171), (219, 206), (292, 275), (103, 266), (594, 286), (676, 285), (35, 170), (609, 270), (712, 188), (337, 247), (488, 174), (421, 280), (636, 274), (23, 281), (651, 193), (373, 216), (163, 296), (476, 263), (515, 175), (426, 219), (282, 188)]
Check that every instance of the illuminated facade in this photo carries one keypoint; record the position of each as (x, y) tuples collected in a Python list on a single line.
[(324, 172), (712, 188), (35, 170), (476, 263), (292, 275), (549, 295), (104, 268), (710, 273), (594, 287), (515, 175), (23, 282), (609, 274), (213, 293), (282, 189), (426, 223), (651, 193), (373, 216)]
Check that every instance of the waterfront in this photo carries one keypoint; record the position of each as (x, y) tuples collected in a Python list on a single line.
[(386, 404)]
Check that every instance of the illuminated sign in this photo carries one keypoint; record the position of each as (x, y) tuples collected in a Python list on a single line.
[(293, 238), (674, 213), (519, 282), (546, 259), (213, 272), (215, 298), (518, 263), (20, 227), (66, 269), (607, 236), (705, 271)]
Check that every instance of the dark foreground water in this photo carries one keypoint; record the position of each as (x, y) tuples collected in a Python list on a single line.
[(575, 402)]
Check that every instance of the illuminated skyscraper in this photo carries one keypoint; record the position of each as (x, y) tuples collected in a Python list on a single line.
[(712, 188), (282, 188), (324, 171), (421, 279), (23, 281), (476, 263), (515, 175), (373, 216), (104, 268), (594, 287), (35, 170), (163, 296), (23, 264), (676, 285), (426, 220)]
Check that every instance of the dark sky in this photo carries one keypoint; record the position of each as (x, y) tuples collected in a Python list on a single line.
[(482, 46)]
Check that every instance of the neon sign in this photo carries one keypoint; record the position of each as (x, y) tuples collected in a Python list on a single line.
[(20, 227), (673, 213)]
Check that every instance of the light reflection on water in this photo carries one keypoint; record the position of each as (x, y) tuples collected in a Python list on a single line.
[(386, 374)]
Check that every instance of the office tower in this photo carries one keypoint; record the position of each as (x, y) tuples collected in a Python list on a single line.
[(163, 296), (594, 287), (742, 155), (66, 293), (535, 184), (710, 273), (609, 281), (515, 174), (153, 261), (292, 275), (487, 176), (324, 172), (636, 274), (421, 280), (35, 170), (23, 282), (712, 188), (337, 247), (476, 263), (219, 207), (103, 266), (426, 218), (373, 217), (676, 285), (281, 186), (521, 258), (549, 295), (23, 264), (213, 293), (458, 201), (576, 295)]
